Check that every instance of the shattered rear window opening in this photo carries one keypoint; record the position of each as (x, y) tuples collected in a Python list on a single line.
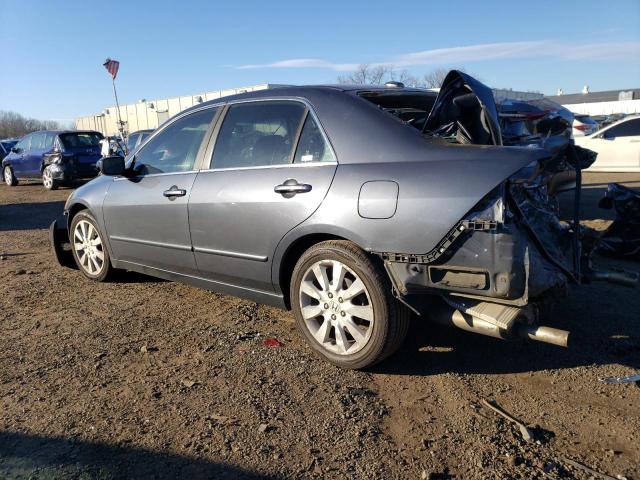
[(412, 108)]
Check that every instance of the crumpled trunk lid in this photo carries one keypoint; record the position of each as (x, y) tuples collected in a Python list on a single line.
[(466, 111)]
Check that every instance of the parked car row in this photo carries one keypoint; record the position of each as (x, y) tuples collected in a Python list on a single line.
[(56, 157)]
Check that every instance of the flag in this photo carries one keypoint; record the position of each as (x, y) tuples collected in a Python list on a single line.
[(112, 67)]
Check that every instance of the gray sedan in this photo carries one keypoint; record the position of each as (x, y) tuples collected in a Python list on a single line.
[(355, 206)]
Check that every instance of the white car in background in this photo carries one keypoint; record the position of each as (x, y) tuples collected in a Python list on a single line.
[(583, 125), (617, 145)]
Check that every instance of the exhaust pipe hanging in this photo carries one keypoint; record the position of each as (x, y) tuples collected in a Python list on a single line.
[(449, 316)]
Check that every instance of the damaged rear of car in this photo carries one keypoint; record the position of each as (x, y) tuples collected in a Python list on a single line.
[(502, 264)]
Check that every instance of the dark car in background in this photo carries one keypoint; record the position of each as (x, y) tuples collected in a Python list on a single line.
[(6, 146), (55, 157), (135, 139)]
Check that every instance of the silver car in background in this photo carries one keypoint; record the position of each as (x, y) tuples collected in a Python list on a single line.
[(352, 205)]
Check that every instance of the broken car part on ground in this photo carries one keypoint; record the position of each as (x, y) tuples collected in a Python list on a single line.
[(622, 238), (352, 206)]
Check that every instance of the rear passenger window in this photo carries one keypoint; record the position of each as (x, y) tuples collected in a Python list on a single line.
[(37, 141), (48, 140), (258, 134), (312, 147)]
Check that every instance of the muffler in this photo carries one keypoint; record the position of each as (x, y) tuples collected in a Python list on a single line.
[(450, 316)]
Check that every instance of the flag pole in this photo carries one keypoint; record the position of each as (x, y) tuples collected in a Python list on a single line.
[(112, 67), (120, 126)]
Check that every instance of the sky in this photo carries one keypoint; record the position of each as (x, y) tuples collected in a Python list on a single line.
[(52, 51)]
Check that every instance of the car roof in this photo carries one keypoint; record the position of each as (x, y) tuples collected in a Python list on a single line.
[(304, 90), (622, 120), (58, 132), (618, 122)]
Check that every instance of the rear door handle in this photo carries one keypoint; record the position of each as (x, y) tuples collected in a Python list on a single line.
[(174, 192), (291, 187)]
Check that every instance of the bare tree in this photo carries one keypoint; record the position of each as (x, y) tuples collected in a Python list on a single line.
[(366, 74), (434, 78), (14, 125), (377, 75)]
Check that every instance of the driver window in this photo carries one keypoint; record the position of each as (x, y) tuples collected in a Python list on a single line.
[(175, 148)]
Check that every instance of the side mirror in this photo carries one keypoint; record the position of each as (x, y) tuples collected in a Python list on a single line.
[(15, 150), (112, 166)]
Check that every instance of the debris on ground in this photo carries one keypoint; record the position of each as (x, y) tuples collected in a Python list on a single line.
[(189, 383), (148, 349), (622, 238), (243, 336), (617, 380), (412, 413), (273, 342), (589, 470), (527, 434)]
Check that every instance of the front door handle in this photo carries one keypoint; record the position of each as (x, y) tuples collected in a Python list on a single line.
[(291, 187), (174, 192)]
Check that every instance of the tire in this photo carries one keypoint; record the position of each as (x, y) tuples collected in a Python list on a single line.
[(8, 176), (359, 329), (48, 181), (88, 247)]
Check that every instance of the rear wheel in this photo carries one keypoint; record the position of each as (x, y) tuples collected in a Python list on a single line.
[(89, 250), (48, 181), (344, 307), (9, 177)]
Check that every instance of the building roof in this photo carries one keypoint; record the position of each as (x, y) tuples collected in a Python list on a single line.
[(592, 97)]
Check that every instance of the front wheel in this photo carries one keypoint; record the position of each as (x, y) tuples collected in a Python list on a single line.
[(48, 181), (9, 177), (88, 247), (344, 307)]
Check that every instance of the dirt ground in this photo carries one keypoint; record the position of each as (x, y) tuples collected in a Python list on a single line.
[(141, 378)]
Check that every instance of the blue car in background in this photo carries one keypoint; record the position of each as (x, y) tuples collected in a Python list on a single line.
[(55, 157)]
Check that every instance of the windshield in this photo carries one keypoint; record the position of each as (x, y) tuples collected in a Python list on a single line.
[(84, 139), (411, 107)]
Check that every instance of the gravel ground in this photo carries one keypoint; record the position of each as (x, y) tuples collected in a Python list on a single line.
[(141, 378)]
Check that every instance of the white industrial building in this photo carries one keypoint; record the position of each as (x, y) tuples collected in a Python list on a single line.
[(600, 103), (146, 114)]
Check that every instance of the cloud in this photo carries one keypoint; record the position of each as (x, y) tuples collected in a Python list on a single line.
[(304, 63), (477, 53)]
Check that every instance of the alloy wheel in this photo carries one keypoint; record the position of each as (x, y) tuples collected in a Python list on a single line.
[(8, 176), (47, 178), (336, 307), (88, 247)]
